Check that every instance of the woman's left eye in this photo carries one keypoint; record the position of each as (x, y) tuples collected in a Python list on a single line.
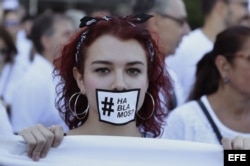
[(102, 70), (133, 71)]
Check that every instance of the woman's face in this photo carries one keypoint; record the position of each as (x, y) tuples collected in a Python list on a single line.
[(240, 72), (113, 64)]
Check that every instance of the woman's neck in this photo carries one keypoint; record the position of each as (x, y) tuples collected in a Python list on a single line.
[(234, 102), (232, 109)]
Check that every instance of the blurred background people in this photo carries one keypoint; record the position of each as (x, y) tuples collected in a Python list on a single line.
[(23, 42), (76, 16), (167, 26), (219, 14), (221, 92), (12, 21), (33, 100), (11, 70), (18, 22)]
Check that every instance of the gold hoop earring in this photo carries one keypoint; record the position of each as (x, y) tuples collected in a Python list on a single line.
[(73, 111), (153, 102)]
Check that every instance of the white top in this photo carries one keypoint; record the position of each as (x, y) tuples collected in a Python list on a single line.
[(177, 87), (10, 76), (114, 151), (34, 98), (5, 126), (188, 122), (183, 63)]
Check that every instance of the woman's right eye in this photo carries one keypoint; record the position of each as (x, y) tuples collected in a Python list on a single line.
[(102, 70)]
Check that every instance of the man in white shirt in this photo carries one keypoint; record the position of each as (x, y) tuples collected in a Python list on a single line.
[(167, 26), (33, 101), (218, 16)]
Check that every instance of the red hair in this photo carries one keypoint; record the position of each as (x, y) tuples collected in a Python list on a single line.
[(122, 28)]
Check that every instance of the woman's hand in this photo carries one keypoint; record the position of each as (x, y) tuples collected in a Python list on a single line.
[(40, 139), (237, 143)]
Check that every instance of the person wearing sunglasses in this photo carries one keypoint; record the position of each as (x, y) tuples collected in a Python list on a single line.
[(168, 26), (11, 70), (218, 15)]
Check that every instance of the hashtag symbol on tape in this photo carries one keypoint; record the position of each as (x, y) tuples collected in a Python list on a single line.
[(107, 106)]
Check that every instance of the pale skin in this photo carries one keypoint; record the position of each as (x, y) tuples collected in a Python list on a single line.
[(114, 65)]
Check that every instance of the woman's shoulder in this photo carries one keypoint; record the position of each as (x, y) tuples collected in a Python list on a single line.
[(186, 108), (188, 113)]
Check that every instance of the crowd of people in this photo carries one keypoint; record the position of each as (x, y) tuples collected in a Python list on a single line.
[(142, 75)]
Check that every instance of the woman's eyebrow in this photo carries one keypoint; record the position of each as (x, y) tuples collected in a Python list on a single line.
[(135, 63), (110, 63), (102, 62)]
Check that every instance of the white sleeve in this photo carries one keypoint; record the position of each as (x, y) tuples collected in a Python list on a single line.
[(34, 103)]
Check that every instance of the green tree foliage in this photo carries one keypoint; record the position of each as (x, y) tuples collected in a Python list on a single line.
[(195, 17)]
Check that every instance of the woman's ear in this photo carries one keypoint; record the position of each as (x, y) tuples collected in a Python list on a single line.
[(79, 80), (223, 66)]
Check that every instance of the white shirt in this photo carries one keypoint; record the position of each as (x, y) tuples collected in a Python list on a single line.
[(24, 46), (5, 126), (188, 122), (177, 87), (34, 98), (183, 63), (10, 76)]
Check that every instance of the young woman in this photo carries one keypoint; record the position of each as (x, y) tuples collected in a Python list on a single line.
[(113, 80)]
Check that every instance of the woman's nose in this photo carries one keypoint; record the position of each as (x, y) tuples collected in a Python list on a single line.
[(119, 82)]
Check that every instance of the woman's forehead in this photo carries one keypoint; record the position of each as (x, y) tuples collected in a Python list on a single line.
[(110, 47)]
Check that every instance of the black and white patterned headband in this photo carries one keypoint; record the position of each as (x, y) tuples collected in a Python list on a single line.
[(88, 21)]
